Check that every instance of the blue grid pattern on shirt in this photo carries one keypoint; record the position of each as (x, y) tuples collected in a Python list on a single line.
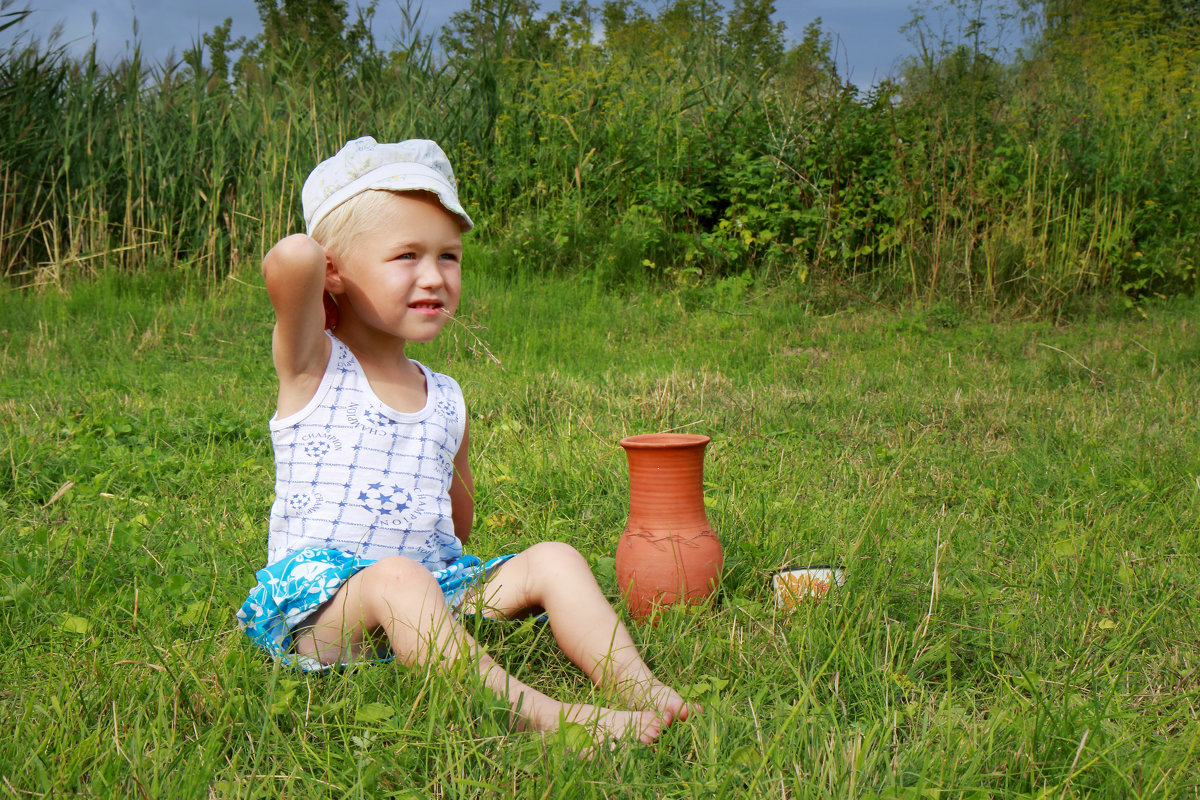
[(375, 481)]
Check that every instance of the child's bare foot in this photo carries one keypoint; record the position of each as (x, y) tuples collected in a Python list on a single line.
[(605, 724), (664, 701)]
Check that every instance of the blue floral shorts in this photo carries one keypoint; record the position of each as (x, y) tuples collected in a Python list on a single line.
[(291, 589)]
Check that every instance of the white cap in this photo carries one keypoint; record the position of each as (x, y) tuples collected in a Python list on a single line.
[(364, 164)]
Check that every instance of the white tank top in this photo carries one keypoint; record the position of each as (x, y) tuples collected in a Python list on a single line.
[(355, 475)]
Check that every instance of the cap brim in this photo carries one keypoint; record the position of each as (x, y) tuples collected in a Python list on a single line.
[(397, 177)]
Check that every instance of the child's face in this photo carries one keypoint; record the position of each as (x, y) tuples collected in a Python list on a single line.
[(402, 273)]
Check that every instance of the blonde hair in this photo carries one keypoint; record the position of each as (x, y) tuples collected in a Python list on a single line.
[(337, 230)]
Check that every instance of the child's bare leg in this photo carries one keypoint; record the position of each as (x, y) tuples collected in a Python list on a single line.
[(400, 599), (555, 577)]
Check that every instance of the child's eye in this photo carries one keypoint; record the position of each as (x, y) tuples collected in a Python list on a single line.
[(449, 256), (406, 256)]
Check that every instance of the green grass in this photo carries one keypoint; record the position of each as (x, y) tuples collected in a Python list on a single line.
[(1015, 505)]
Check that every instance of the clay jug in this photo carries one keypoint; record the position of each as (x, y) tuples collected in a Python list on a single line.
[(668, 552)]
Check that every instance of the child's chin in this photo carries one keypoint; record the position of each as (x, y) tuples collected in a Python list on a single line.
[(420, 337)]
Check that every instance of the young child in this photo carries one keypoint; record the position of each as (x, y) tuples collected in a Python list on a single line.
[(373, 488)]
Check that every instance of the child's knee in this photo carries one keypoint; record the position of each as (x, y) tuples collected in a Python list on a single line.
[(558, 556), (398, 577)]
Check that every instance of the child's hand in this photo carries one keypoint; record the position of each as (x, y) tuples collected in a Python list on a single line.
[(331, 311)]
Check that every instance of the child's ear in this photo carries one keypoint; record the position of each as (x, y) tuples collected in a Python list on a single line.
[(333, 283), (333, 276)]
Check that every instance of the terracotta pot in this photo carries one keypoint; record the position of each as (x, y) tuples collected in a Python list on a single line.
[(668, 552)]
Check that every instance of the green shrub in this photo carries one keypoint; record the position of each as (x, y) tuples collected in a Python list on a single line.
[(682, 144)]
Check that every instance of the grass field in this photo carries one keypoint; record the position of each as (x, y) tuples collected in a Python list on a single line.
[(1015, 504)]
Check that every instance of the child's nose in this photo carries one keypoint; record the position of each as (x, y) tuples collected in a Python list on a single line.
[(430, 273)]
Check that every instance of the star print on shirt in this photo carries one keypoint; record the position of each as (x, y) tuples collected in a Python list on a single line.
[(385, 500), (376, 418)]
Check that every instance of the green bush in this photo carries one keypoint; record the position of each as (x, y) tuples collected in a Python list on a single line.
[(685, 143)]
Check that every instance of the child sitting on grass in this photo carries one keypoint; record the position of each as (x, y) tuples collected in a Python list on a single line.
[(373, 488)]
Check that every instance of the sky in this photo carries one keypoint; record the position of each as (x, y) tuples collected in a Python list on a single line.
[(866, 32)]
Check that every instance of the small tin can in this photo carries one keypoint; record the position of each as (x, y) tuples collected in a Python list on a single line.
[(793, 586)]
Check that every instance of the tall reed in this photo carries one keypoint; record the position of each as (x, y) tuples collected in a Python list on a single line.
[(655, 152)]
